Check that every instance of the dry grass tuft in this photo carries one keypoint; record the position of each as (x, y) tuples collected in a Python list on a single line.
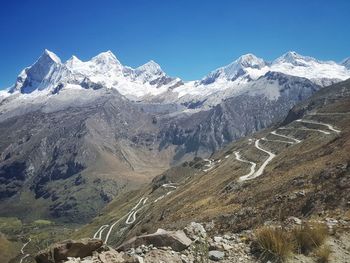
[(323, 253), (309, 236), (274, 244)]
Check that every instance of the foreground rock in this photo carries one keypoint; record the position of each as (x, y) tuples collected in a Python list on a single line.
[(177, 240), (216, 255), (162, 246), (69, 248), (195, 231)]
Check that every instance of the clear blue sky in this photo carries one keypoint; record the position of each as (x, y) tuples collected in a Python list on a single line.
[(188, 38)]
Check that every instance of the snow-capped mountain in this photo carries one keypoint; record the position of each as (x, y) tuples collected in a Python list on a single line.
[(49, 76), (318, 71), (246, 67), (249, 67), (45, 72), (240, 76)]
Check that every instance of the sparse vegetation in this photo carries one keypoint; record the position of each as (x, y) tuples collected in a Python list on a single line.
[(322, 253), (201, 250), (309, 236), (10, 225), (274, 243)]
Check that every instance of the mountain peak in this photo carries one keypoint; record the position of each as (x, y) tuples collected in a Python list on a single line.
[(49, 54), (106, 57), (294, 58), (151, 67), (291, 55), (250, 60), (240, 65), (39, 75), (74, 58), (73, 61), (236, 69)]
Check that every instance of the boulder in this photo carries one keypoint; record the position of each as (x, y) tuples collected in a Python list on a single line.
[(195, 231), (216, 255), (177, 240), (68, 248)]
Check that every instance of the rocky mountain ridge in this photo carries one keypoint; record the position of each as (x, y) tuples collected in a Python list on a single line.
[(48, 75)]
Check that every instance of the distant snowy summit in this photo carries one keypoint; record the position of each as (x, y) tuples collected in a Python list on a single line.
[(249, 67), (49, 75)]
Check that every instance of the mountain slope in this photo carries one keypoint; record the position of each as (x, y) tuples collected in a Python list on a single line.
[(96, 148), (267, 101), (60, 158), (307, 176)]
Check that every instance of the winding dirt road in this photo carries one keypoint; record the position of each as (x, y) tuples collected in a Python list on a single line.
[(168, 185), (100, 231), (285, 136), (22, 251), (132, 216), (112, 226), (305, 129), (265, 163), (252, 167), (269, 140), (210, 165), (329, 126), (254, 174)]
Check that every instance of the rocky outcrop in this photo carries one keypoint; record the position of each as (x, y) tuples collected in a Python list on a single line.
[(195, 231), (161, 246), (68, 248), (177, 240)]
